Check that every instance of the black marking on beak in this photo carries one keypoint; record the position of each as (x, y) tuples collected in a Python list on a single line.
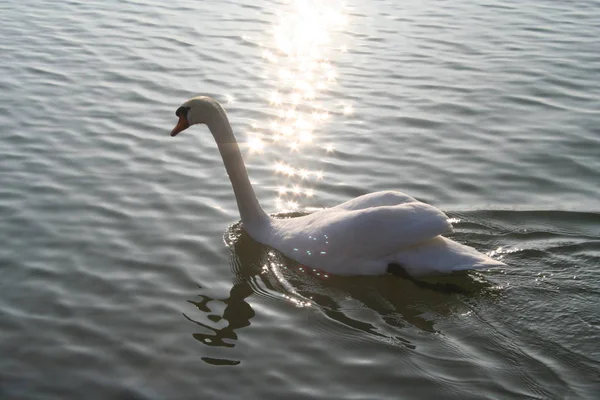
[(182, 111)]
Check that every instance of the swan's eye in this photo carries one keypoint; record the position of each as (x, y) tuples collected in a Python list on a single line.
[(182, 111)]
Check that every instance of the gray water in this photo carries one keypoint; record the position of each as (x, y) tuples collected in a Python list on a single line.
[(125, 273)]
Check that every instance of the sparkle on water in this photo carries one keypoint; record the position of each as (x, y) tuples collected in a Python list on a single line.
[(304, 38)]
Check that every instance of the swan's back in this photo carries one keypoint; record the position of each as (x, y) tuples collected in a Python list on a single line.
[(347, 241)]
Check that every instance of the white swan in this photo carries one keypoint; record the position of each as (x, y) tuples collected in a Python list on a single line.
[(363, 236)]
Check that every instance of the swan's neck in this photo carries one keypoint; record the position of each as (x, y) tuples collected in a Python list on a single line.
[(254, 218)]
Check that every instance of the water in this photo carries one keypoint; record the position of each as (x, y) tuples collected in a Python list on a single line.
[(117, 283)]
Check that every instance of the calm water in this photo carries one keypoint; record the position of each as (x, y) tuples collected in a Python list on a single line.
[(124, 273)]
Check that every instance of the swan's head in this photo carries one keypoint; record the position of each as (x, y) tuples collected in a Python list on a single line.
[(199, 110)]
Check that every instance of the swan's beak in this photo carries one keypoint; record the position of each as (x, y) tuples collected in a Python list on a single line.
[(182, 125)]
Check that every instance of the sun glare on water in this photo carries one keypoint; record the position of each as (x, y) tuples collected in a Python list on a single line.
[(304, 38)]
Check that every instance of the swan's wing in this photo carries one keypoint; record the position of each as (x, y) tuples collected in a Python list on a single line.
[(379, 231), (335, 241), (376, 199)]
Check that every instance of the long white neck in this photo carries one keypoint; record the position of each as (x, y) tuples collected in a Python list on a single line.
[(254, 218)]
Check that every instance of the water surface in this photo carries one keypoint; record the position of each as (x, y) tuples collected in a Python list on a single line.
[(124, 271)]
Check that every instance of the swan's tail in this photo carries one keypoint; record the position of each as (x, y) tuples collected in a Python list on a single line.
[(441, 255)]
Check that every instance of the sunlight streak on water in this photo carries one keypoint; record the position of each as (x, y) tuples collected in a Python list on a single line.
[(298, 66)]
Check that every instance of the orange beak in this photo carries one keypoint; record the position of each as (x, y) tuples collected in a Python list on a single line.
[(182, 125)]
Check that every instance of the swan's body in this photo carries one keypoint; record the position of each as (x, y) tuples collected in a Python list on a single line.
[(362, 236)]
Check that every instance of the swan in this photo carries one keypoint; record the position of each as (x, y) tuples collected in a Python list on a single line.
[(374, 234)]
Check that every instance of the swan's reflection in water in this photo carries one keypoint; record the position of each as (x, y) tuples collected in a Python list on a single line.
[(380, 306), (237, 315)]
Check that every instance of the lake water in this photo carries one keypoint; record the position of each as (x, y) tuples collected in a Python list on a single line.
[(124, 271)]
